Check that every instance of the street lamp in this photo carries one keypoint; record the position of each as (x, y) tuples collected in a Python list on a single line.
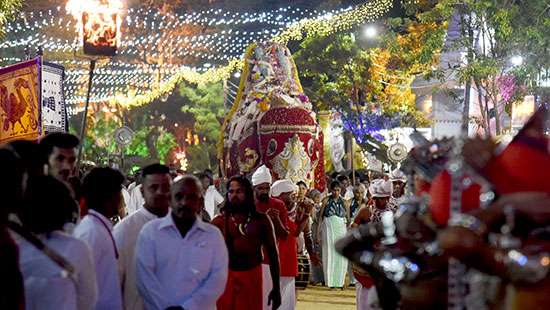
[(370, 32), (516, 60)]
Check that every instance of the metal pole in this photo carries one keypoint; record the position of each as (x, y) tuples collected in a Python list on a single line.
[(85, 116)]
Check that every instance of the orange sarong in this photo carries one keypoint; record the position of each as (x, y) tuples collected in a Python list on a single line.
[(243, 290)]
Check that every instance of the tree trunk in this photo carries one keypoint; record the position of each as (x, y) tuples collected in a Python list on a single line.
[(498, 128), (469, 33), (482, 109)]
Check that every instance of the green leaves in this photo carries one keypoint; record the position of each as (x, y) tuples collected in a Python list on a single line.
[(7, 10), (205, 103)]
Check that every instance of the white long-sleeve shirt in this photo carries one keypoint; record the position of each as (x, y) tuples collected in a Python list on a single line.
[(126, 233), (47, 286), (212, 198), (190, 272), (78, 253), (95, 229)]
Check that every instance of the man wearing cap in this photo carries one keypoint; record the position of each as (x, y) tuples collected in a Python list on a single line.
[(285, 190), (398, 180), (380, 191), (277, 212)]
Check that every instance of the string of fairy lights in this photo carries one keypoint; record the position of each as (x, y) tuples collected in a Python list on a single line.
[(158, 49)]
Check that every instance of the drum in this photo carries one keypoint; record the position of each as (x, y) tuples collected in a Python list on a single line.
[(302, 280)]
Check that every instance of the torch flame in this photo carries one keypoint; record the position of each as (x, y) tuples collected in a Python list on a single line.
[(98, 21), (181, 157)]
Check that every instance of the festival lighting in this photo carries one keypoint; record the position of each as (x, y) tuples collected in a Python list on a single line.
[(129, 81), (517, 60), (181, 158), (370, 32)]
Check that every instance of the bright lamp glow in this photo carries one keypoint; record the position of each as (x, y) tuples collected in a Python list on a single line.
[(370, 32), (517, 60)]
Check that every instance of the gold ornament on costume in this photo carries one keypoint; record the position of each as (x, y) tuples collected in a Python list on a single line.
[(293, 163)]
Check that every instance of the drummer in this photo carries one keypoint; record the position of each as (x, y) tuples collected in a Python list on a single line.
[(380, 191), (286, 190)]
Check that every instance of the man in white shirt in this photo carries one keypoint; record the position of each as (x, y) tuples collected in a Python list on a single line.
[(136, 200), (48, 206), (101, 190), (156, 192), (212, 198), (346, 186), (181, 261)]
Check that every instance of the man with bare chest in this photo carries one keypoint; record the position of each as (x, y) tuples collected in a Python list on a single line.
[(246, 231), (276, 211)]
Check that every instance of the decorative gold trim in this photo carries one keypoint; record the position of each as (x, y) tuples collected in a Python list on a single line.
[(268, 129)]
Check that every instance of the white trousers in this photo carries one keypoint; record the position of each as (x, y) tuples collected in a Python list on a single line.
[(361, 296), (288, 290), (366, 298)]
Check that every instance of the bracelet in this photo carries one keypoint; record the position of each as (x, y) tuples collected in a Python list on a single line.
[(469, 222)]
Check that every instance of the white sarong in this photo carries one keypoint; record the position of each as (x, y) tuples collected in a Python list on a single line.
[(334, 265), (288, 290)]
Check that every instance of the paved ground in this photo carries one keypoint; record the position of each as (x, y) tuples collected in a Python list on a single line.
[(322, 298)]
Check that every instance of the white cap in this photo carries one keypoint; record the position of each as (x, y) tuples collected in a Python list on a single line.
[(261, 175), (380, 188), (283, 186), (398, 175)]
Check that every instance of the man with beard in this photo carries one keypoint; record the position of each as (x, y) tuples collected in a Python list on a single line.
[(246, 231), (181, 261), (277, 212), (156, 192)]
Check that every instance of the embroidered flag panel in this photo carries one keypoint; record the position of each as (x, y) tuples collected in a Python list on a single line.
[(19, 101), (54, 116)]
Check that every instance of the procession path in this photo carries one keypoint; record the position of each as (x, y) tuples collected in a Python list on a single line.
[(322, 298)]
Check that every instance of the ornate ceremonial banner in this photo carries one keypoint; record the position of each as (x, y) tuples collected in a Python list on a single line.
[(19, 97), (53, 99)]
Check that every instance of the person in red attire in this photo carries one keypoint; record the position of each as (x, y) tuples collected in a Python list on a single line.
[(276, 210), (246, 231), (286, 190)]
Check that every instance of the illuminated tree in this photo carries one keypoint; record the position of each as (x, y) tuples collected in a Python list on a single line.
[(492, 33), (205, 104), (7, 10)]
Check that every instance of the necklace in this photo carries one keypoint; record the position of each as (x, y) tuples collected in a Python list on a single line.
[(242, 226)]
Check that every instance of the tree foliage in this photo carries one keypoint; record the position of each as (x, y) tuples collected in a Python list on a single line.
[(491, 33), (362, 77), (205, 103), (149, 143), (7, 10)]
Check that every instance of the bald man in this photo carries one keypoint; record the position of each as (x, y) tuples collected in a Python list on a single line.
[(181, 261)]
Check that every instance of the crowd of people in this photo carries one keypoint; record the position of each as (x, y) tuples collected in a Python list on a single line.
[(166, 240), (172, 241)]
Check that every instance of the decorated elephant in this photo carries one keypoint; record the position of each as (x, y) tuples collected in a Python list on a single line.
[(271, 121)]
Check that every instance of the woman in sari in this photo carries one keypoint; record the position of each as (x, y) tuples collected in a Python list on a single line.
[(332, 226)]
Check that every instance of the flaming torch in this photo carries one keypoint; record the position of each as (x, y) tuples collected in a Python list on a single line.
[(98, 23)]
